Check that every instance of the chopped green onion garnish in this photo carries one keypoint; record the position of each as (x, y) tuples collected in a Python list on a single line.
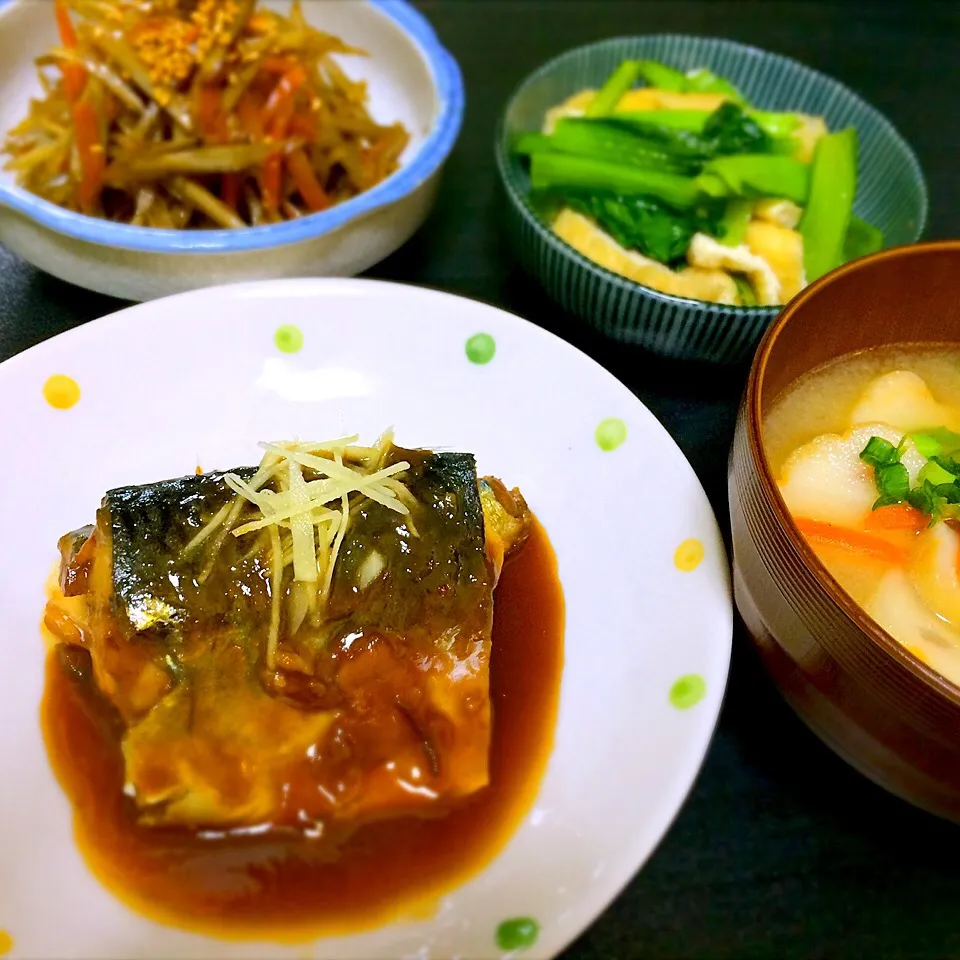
[(879, 452), (937, 492), (893, 483), (933, 443), (933, 472)]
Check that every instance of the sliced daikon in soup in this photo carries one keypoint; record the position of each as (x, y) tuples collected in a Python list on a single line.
[(934, 572), (898, 608), (903, 400), (826, 480), (858, 578)]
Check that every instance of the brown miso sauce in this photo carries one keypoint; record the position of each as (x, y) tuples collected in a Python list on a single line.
[(281, 885)]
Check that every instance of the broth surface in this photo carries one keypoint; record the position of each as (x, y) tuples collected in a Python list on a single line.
[(821, 401), (891, 540)]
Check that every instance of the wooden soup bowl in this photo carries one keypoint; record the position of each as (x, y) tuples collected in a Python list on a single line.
[(879, 707)]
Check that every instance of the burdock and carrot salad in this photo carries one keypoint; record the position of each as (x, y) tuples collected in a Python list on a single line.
[(197, 113)]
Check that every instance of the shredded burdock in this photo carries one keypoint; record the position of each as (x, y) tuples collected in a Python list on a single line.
[(197, 113)]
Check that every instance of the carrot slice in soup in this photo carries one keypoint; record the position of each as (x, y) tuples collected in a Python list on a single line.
[(867, 545), (897, 516)]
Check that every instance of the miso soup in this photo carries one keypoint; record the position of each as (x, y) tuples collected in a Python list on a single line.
[(866, 454)]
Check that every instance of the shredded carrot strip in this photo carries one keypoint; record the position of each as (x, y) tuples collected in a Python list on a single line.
[(92, 157), (896, 516), (230, 191), (68, 36), (250, 112), (304, 125), (277, 64), (208, 110), (278, 113), (74, 76), (280, 102), (306, 181), (865, 544)]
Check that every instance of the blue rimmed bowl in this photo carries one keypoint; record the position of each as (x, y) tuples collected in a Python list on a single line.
[(891, 192), (411, 77)]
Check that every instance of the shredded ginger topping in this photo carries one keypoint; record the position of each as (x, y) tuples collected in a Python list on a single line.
[(304, 513)]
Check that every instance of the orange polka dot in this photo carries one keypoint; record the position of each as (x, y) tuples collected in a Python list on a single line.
[(6, 943), (61, 391)]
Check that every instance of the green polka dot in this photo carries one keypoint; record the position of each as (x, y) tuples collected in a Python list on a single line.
[(288, 338), (611, 433), (480, 348), (688, 691), (517, 933)]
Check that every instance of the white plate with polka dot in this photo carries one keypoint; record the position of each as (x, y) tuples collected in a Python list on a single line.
[(151, 391)]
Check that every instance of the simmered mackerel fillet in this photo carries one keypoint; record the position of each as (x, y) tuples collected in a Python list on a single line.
[(357, 690)]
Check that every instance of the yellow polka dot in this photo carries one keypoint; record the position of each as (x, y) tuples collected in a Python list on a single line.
[(688, 555), (61, 391), (6, 943)]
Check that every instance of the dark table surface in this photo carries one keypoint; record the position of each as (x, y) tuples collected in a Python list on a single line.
[(781, 850)]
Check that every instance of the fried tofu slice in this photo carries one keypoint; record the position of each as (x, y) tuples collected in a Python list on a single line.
[(694, 282), (782, 249), (710, 254), (811, 129), (633, 101)]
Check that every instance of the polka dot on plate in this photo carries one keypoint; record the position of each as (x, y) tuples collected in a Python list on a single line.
[(288, 338), (480, 348), (61, 391), (610, 433), (688, 691), (6, 943), (689, 555), (517, 933)]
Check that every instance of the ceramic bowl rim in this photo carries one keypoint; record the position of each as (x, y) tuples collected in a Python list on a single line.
[(752, 404), (621, 283), (449, 90)]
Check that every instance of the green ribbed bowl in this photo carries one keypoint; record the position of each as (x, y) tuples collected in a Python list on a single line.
[(891, 192)]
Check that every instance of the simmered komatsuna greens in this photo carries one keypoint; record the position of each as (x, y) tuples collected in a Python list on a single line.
[(197, 113), (303, 642), (685, 187)]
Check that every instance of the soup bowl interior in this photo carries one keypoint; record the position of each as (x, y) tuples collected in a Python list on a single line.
[(877, 705)]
